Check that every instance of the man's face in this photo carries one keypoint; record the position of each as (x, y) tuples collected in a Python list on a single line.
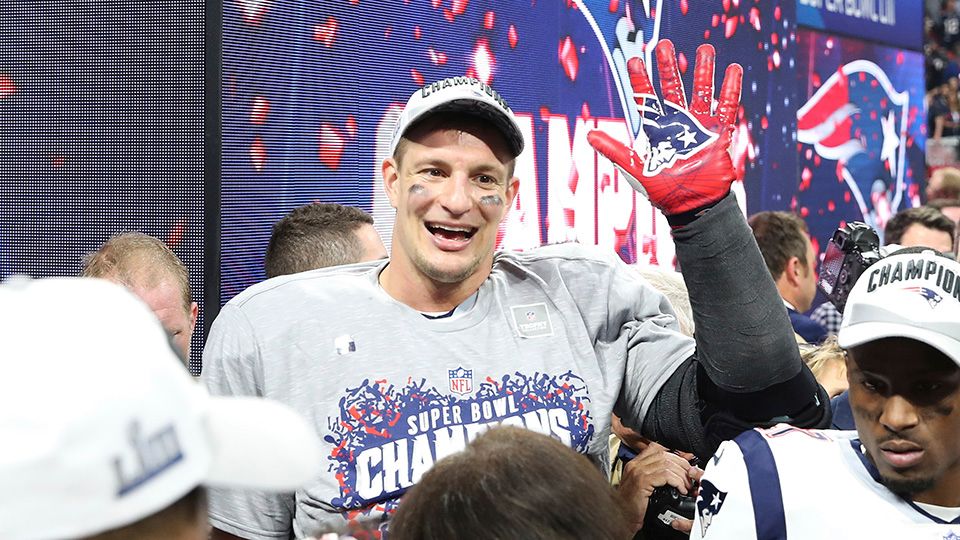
[(451, 189), (166, 302), (373, 248), (809, 283), (918, 235), (905, 397)]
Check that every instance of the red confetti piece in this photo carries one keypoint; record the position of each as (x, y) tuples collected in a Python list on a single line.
[(764, 123), (483, 60), (831, 206), (175, 236), (805, 176), (458, 7), (776, 13), (489, 18), (682, 62), (417, 32), (435, 3), (614, 6), (326, 33), (7, 88), (726, 6), (258, 153), (755, 18), (731, 27), (331, 146), (253, 10), (899, 58), (351, 126), (567, 54), (418, 77), (258, 114), (706, 34), (804, 212), (684, 7), (512, 37)]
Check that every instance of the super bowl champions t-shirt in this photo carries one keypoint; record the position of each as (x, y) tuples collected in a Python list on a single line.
[(558, 338)]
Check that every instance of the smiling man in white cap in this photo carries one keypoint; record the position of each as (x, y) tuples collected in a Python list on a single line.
[(898, 474), (402, 362), (104, 433)]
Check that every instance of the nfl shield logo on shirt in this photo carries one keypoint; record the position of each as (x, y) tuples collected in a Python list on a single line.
[(461, 381)]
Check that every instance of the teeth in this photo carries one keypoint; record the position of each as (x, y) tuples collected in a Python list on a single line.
[(453, 229)]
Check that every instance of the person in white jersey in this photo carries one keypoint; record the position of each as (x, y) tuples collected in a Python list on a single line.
[(402, 362), (898, 474)]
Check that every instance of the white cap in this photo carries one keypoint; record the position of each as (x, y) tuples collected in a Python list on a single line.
[(101, 425), (911, 295), (462, 95)]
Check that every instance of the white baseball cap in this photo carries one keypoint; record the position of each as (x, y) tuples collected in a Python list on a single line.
[(912, 295), (101, 425), (461, 95)]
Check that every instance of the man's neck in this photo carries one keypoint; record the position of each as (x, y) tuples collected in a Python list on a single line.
[(946, 493), (788, 294), (424, 294)]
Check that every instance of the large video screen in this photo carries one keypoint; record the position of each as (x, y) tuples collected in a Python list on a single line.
[(101, 131), (311, 89), (861, 131)]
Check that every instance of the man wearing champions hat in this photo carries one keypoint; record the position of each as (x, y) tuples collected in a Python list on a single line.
[(898, 474), (104, 433), (402, 362)]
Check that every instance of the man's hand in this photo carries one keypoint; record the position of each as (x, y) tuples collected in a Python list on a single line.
[(652, 468), (681, 159)]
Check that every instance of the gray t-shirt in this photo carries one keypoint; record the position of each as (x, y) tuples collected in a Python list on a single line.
[(559, 337)]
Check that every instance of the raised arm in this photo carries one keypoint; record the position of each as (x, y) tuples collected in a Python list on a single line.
[(747, 369)]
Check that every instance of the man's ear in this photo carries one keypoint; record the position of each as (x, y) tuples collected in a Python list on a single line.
[(391, 176), (794, 271), (194, 312)]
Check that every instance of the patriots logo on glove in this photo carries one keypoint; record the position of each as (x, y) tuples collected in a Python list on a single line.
[(678, 136)]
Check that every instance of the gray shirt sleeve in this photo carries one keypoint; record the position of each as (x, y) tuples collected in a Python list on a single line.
[(231, 367)]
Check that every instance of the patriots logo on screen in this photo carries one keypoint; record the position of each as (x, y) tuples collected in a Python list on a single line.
[(640, 27), (858, 119), (930, 295), (461, 381), (531, 316), (708, 504)]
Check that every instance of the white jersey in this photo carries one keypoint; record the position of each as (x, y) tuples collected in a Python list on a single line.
[(785, 482)]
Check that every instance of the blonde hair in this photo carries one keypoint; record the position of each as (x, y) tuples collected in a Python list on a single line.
[(818, 358), (136, 259), (671, 285)]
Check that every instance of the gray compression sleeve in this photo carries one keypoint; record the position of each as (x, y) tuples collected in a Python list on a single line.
[(747, 369), (744, 338)]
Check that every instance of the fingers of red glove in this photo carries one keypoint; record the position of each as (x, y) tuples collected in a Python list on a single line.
[(614, 150), (703, 74), (643, 94), (671, 86), (638, 77), (730, 95)]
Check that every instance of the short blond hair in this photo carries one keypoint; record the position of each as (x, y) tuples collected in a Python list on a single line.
[(135, 259), (817, 358)]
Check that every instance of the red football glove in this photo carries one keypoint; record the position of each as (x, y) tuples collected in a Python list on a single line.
[(681, 160)]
